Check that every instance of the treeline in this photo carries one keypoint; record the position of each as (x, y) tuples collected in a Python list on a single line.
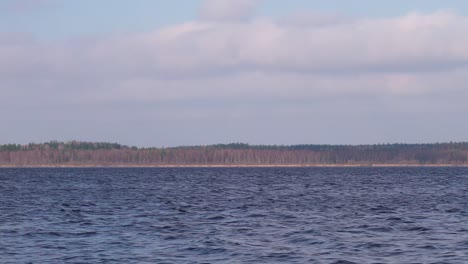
[(112, 154), (56, 145)]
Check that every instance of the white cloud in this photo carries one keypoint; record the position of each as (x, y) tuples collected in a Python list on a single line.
[(313, 78), (314, 19), (228, 10), (261, 57)]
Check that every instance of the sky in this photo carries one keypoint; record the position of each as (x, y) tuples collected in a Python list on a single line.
[(194, 72)]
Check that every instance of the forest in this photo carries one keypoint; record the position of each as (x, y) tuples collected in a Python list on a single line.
[(76, 153)]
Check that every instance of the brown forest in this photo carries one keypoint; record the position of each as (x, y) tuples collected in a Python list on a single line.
[(237, 154)]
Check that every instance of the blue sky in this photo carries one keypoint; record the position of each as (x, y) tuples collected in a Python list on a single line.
[(166, 73), (65, 18)]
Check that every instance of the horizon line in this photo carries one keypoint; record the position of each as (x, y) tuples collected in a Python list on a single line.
[(69, 142)]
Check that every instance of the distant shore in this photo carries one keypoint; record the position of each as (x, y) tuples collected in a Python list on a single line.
[(76, 154), (232, 165)]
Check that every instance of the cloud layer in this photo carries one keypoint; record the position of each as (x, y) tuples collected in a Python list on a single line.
[(413, 43), (257, 67), (228, 10)]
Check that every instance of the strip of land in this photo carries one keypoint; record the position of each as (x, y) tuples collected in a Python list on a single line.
[(84, 166), (76, 154)]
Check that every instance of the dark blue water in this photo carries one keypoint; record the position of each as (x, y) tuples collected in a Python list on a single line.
[(273, 215)]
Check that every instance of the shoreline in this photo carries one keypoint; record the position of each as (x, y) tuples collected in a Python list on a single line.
[(84, 166)]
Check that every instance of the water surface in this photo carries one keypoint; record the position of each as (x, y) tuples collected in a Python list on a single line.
[(221, 215)]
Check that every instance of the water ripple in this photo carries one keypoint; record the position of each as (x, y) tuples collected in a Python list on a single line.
[(270, 215)]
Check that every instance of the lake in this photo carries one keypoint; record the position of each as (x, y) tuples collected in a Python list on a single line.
[(234, 215)]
